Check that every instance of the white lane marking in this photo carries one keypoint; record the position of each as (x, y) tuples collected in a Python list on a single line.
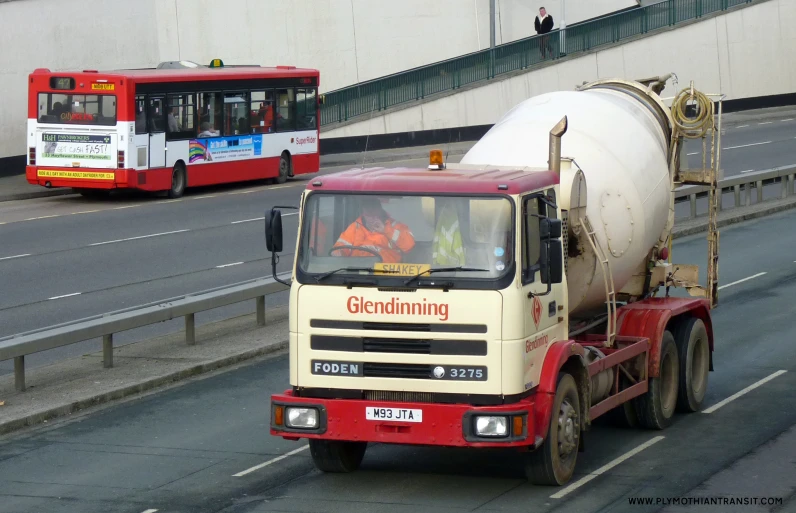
[(248, 220), (747, 171), (784, 120), (585, 479), (765, 123), (743, 280), (15, 256), (150, 511), (742, 126), (269, 462), (136, 238), (262, 218), (746, 145), (203, 197), (42, 217), (66, 295), (228, 265), (744, 391), (695, 153)]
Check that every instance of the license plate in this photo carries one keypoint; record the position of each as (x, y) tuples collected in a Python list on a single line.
[(394, 414)]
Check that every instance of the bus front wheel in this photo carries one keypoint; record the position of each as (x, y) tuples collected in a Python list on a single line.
[(177, 182)]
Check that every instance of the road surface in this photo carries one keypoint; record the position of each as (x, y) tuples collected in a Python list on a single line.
[(204, 446), (65, 258)]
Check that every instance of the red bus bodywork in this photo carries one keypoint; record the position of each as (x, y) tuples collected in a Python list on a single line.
[(299, 146)]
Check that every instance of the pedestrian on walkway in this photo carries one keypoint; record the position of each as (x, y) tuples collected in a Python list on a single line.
[(543, 25)]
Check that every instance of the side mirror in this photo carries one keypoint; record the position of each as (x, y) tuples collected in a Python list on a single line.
[(273, 231), (550, 228), (551, 258)]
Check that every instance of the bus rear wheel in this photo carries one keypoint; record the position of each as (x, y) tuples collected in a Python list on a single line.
[(177, 182), (335, 456), (284, 168)]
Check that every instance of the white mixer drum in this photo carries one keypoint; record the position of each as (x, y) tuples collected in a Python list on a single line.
[(622, 149)]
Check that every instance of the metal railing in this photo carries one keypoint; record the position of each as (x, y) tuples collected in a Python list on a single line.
[(419, 83), (106, 325)]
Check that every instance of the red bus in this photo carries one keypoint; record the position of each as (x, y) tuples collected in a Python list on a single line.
[(175, 126)]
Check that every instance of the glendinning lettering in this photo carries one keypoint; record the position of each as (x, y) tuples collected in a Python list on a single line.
[(395, 306)]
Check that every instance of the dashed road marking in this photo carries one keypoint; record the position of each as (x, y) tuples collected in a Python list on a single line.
[(744, 391), (742, 280), (270, 462), (765, 123), (746, 145), (585, 479), (65, 295), (15, 256), (747, 171), (228, 265), (136, 238)]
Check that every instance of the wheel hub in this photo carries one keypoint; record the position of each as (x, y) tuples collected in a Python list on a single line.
[(567, 429)]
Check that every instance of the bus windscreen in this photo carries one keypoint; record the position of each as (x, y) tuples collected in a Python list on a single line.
[(77, 109)]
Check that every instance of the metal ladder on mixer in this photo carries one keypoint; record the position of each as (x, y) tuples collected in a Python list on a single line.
[(608, 278)]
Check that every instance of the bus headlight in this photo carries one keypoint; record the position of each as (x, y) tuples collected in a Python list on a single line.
[(491, 426), (302, 418)]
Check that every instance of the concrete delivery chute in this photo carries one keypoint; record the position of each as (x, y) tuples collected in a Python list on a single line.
[(508, 300)]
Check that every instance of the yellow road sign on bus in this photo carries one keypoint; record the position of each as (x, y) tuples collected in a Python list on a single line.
[(82, 175)]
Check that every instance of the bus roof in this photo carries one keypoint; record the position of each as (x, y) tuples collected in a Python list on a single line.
[(414, 180), (190, 74)]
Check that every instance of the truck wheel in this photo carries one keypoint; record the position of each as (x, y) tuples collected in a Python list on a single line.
[(693, 350), (336, 456), (656, 408), (284, 168), (553, 463), (177, 182)]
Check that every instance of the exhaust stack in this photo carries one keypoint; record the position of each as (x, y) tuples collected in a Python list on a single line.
[(555, 145)]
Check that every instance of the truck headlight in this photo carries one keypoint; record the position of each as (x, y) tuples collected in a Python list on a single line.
[(491, 426), (302, 418)]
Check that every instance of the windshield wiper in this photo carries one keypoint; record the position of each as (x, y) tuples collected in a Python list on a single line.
[(352, 269), (443, 270)]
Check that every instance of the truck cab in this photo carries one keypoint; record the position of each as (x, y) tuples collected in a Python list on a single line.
[(438, 340)]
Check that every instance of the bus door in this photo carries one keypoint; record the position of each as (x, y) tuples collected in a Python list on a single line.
[(156, 119)]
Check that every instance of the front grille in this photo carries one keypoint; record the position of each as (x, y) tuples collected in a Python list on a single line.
[(397, 370), (407, 397), (392, 345)]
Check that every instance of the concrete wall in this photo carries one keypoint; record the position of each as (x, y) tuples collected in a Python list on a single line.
[(348, 40), (746, 53)]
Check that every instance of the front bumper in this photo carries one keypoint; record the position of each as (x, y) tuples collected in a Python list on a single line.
[(450, 425)]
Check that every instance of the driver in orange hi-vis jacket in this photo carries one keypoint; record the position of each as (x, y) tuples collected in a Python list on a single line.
[(377, 231)]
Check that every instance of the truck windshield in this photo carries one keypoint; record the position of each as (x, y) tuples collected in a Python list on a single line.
[(463, 241)]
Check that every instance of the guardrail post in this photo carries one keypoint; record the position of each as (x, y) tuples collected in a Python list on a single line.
[(107, 350), (737, 190), (190, 329), (692, 198), (261, 310), (784, 184), (748, 201), (759, 185), (719, 198), (19, 372)]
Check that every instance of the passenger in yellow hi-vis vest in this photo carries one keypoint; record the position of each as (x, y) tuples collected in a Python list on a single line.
[(375, 230), (447, 247)]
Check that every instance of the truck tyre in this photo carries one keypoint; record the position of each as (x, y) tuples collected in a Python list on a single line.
[(553, 463), (693, 350), (284, 168), (336, 456), (656, 408), (177, 182)]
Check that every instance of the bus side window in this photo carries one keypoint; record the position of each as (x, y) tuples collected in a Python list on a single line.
[(306, 109), (285, 110), (262, 111)]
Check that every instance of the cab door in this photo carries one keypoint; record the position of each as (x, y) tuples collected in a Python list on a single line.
[(544, 313)]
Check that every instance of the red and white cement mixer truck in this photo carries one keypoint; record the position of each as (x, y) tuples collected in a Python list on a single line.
[(509, 300)]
